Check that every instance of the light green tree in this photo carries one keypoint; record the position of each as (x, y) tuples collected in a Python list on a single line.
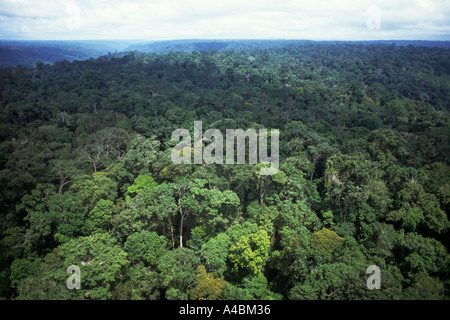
[(250, 252), (208, 286)]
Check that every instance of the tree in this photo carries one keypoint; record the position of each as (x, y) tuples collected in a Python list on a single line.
[(425, 287), (90, 189), (323, 281), (178, 272), (41, 223), (23, 170), (354, 187), (144, 156), (417, 254), (22, 268), (249, 250), (143, 249), (104, 147), (99, 218), (146, 247), (356, 91), (418, 210), (386, 146), (208, 286), (214, 253), (326, 241), (86, 207), (101, 261), (142, 182), (252, 287), (171, 205)]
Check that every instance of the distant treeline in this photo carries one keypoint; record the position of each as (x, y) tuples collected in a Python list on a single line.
[(28, 52)]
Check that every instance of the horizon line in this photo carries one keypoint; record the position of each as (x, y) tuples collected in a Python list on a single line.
[(229, 39)]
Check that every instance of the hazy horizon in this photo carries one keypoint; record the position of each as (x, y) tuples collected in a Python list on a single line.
[(218, 39)]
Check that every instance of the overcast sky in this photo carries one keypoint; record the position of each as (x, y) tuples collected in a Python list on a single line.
[(225, 19)]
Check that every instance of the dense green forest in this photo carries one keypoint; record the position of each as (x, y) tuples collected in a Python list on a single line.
[(87, 179)]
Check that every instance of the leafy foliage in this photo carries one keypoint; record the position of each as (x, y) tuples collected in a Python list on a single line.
[(87, 179), (208, 286)]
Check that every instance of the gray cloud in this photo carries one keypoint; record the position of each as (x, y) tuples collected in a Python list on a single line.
[(177, 19)]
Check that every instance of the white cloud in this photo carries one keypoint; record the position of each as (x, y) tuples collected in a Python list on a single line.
[(175, 19)]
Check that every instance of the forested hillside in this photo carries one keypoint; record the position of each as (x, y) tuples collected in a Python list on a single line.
[(87, 179), (29, 53)]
